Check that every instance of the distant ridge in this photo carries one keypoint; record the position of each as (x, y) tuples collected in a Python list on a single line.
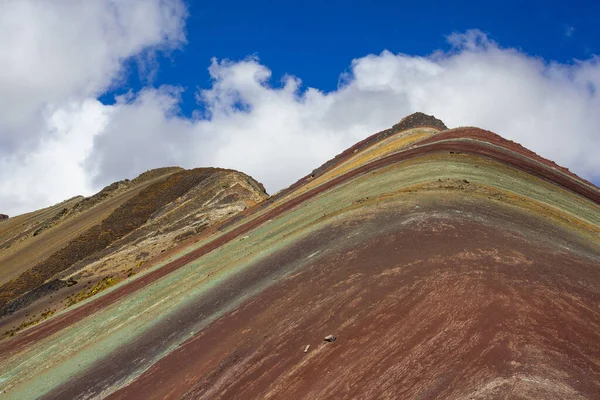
[(142, 201)]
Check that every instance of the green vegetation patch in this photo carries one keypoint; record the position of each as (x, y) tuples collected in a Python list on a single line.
[(45, 315), (97, 288)]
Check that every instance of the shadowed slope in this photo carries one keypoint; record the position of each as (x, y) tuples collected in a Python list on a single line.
[(449, 264)]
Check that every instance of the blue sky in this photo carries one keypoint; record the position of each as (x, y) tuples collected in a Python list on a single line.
[(92, 92), (317, 40)]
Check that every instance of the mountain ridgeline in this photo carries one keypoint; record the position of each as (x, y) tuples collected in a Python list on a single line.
[(421, 263)]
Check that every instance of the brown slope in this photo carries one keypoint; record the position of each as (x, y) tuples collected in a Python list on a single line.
[(495, 139), (496, 153), (433, 305), (33, 237), (437, 293), (158, 190)]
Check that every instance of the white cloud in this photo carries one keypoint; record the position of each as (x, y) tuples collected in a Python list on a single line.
[(50, 172), (278, 134), (55, 59)]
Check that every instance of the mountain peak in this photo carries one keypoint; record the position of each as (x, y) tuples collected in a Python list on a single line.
[(429, 245), (419, 119)]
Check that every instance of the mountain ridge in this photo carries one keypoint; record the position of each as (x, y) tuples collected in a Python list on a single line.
[(159, 188), (448, 264)]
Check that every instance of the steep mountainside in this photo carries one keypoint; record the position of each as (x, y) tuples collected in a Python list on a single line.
[(85, 245), (421, 263)]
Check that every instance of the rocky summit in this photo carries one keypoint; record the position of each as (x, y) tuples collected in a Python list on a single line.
[(421, 263)]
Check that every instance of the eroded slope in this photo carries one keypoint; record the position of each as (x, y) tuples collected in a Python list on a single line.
[(155, 211), (448, 264)]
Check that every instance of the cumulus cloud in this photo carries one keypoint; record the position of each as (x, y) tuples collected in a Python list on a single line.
[(280, 131), (278, 134), (49, 173), (56, 58)]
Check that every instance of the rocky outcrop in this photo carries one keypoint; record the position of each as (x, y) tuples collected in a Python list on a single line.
[(419, 119), (3, 216)]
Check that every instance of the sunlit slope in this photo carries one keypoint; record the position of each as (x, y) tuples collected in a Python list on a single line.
[(448, 264), (30, 238), (93, 243)]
